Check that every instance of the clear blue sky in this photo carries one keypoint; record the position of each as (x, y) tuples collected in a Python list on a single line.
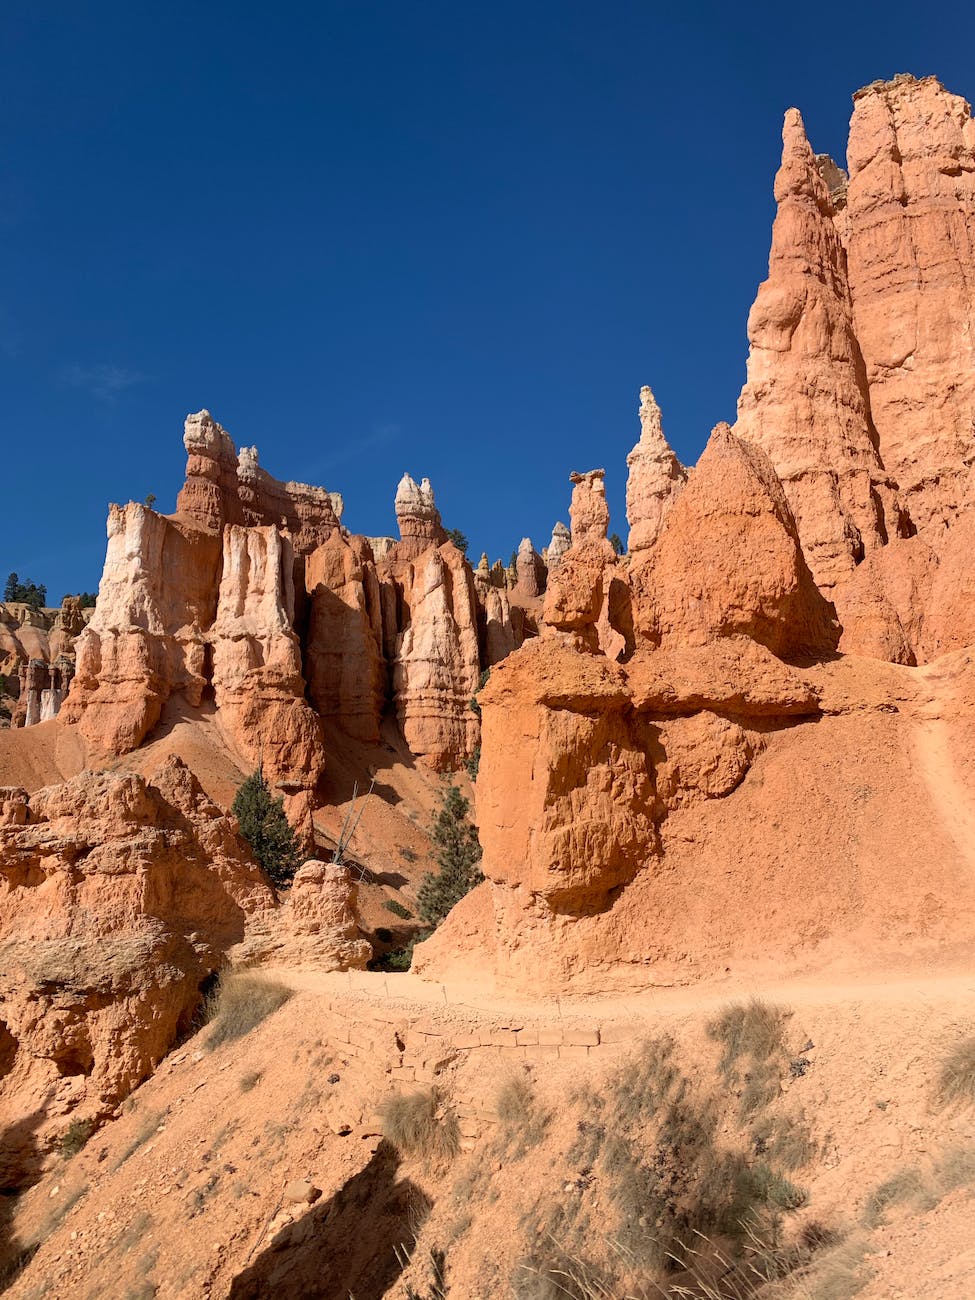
[(447, 238)]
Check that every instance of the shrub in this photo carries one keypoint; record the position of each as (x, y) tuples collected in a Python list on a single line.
[(957, 1081), (396, 907), (473, 764), (265, 827), (482, 681), (398, 961), (241, 1002), (250, 1080), (77, 1134), (458, 853), (457, 537), (418, 1124)]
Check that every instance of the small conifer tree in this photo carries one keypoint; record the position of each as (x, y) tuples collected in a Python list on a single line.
[(458, 853), (266, 829), (459, 540)]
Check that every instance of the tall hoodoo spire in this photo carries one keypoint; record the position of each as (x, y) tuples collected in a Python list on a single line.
[(655, 479)]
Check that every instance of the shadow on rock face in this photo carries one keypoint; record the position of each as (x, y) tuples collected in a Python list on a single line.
[(346, 1245), (19, 1157)]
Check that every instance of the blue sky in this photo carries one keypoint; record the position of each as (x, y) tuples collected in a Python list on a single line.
[(447, 238)]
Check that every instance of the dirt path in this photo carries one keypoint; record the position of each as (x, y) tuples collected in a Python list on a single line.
[(410, 992)]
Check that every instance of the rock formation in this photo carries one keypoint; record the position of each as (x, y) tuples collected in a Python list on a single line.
[(146, 639), (557, 547), (909, 232), (437, 659), (37, 658), (344, 655), (530, 569), (588, 510), (224, 488), (418, 519), (120, 898), (806, 402), (655, 478), (703, 580), (746, 741)]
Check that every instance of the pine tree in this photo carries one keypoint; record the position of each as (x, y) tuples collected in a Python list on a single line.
[(458, 853), (459, 540), (25, 593), (265, 827)]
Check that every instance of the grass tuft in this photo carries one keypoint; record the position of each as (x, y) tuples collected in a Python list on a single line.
[(239, 1004), (906, 1186), (956, 1085), (754, 1030), (419, 1124)]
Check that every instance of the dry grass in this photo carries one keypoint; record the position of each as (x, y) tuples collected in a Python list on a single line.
[(751, 1031), (523, 1122), (239, 1003), (956, 1084), (907, 1186), (250, 1080), (955, 1168), (784, 1140), (419, 1124)]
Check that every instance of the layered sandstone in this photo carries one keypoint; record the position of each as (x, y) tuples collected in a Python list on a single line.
[(120, 898), (37, 658), (806, 401), (223, 488), (344, 645), (729, 561), (909, 232), (437, 659), (655, 478), (418, 519), (257, 683), (147, 637)]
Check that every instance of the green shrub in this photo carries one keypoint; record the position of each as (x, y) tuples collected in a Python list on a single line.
[(239, 1003), (396, 907), (397, 961), (77, 1134), (265, 827), (458, 853)]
